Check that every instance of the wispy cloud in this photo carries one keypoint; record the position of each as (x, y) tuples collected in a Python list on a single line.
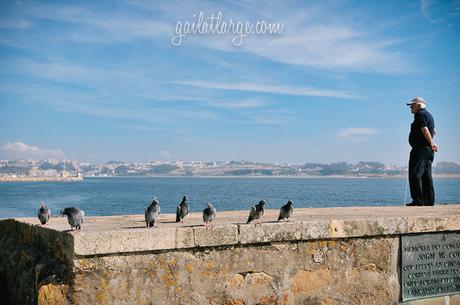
[(99, 27), (425, 6), (268, 88), (357, 135), (20, 151)]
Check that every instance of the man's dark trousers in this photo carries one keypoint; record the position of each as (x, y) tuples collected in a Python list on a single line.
[(420, 179)]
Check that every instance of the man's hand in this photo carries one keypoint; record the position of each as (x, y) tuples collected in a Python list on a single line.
[(427, 135)]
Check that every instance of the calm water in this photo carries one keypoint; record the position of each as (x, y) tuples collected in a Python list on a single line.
[(116, 196)]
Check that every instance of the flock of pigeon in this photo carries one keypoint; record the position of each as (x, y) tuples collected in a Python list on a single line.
[(76, 216)]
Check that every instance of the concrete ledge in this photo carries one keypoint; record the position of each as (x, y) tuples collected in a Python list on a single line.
[(125, 234)]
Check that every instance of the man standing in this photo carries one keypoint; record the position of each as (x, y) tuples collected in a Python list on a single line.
[(421, 136)]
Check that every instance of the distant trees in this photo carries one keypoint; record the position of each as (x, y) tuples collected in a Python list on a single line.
[(121, 170), (339, 168), (162, 168)]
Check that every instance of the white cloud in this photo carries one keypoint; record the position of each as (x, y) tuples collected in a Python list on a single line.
[(267, 88), (357, 135), (19, 150), (165, 154)]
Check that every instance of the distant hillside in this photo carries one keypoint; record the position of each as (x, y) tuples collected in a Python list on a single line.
[(447, 168)]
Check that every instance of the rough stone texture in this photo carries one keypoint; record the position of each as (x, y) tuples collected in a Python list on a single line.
[(352, 271), (30, 258), (270, 232), (323, 257)]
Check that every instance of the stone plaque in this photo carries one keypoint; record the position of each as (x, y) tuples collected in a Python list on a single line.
[(430, 265)]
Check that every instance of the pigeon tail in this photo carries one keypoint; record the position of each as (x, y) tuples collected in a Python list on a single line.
[(178, 214)]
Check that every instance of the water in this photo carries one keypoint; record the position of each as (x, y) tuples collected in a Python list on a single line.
[(119, 196)]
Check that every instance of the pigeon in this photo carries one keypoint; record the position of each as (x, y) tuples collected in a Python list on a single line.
[(209, 214), (182, 210), (256, 213), (44, 213), (286, 211), (75, 217), (152, 212)]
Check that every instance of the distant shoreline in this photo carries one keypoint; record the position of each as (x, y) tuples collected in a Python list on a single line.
[(76, 179), (40, 179), (436, 176)]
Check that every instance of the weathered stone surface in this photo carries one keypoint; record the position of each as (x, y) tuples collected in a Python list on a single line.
[(420, 224), (31, 257), (217, 236), (270, 232), (282, 273), (134, 240), (51, 294), (368, 227), (316, 229), (324, 256)]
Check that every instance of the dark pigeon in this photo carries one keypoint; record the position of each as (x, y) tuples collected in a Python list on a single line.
[(209, 213), (286, 211), (256, 213), (152, 212), (44, 213), (75, 217), (182, 210)]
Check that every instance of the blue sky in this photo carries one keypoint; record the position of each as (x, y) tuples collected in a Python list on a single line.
[(98, 81)]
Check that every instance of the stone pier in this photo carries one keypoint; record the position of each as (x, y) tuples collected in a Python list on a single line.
[(322, 257)]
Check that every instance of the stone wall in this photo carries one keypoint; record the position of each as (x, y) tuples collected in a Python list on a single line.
[(324, 257), (351, 271)]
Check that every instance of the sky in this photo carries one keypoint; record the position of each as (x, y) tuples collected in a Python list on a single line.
[(107, 80)]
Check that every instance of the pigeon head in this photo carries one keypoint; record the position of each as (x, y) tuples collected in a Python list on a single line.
[(210, 205), (42, 205), (290, 202), (262, 202), (155, 201), (63, 211)]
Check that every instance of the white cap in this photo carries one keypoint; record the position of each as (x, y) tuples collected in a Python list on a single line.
[(416, 100)]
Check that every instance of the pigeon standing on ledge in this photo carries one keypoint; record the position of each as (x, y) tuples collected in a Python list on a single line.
[(286, 211), (152, 212), (75, 217), (182, 210), (44, 213), (256, 213), (209, 214)]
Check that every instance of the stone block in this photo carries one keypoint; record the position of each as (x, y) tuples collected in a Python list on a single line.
[(134, 240), (270, 232), (376, 226), (316, 229), (420, 224), (217, 236)]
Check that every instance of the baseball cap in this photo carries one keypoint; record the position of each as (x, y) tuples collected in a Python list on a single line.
[(416, 100)]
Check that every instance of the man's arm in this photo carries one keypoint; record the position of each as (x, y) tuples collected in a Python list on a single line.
[(427, 135)]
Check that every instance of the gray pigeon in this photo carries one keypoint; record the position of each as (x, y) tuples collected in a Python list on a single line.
[(152, 212), (209, 214), (75, 217), (286, 211), (44, 213), (256, 213), (182, 210)]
